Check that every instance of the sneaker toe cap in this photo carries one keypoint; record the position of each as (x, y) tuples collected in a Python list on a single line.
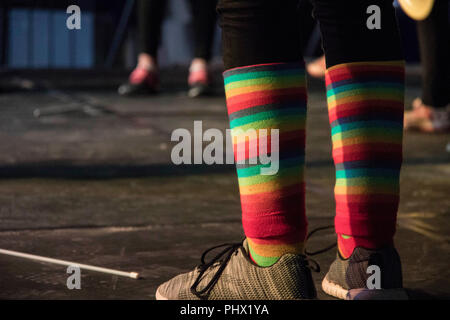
[(177, 288)]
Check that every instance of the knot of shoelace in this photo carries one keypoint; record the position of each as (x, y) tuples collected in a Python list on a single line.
[(222, 258)]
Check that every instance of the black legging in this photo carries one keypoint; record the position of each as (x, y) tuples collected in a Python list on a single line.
[(433, 34), (151, 14), (266, 31)]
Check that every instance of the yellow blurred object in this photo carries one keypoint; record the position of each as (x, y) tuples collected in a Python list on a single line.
[(417, 9)]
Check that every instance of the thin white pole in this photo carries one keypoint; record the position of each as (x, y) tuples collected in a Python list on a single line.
[(133, 275)]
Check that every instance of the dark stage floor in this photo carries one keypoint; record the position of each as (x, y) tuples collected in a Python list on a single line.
[(91, 180)]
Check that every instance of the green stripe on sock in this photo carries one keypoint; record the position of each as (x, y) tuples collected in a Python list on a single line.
[(266, 115), (262, 261), (263, 74)]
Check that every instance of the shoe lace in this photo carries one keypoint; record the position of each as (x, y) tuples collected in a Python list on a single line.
[(224, 256), (331, 246)]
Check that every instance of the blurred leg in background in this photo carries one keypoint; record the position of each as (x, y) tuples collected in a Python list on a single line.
[(315, 68), (144, 78), (204, 19), (431, 112)]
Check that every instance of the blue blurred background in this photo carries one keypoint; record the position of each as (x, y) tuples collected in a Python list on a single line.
[(33, 35)]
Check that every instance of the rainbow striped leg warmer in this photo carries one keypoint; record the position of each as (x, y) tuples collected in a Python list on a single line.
[(365, 106), (262, 98)]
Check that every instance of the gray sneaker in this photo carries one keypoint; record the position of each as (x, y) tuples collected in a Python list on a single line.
[(232, 275), (355, 278)]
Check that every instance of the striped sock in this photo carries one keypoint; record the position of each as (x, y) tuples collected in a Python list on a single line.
[(270, 96), (365, 106)]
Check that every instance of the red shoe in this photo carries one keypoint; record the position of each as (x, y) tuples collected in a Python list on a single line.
[(317, 67), (141, 81), (199, 83)]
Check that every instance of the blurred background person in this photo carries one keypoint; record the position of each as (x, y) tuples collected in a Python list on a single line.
[(430, 112), (144, 78), (311, 40)]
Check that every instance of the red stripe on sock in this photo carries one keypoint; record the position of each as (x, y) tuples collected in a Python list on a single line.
[(260, 98)]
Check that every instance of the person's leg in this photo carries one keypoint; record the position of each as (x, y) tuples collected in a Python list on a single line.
[(433, 35), (150, 16), (365, 93), (430, 112), (204, 15), (315, 68), (265, 89), (204, 19), (144, 78)]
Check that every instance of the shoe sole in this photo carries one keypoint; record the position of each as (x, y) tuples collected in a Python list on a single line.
[(159, 296), (334, 289), (198, 91), (124, 92), (337, 291)]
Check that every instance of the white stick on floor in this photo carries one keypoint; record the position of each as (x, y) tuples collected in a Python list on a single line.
[(133, 275)]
